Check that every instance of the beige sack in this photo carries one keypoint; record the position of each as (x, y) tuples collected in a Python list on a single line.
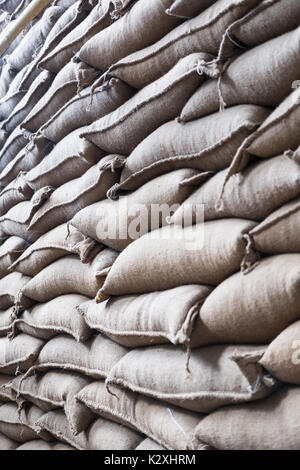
[(10, 250), (19, 354)]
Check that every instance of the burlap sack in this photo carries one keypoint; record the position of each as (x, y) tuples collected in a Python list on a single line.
[(13, 95), (118, 223), (38, 88), (264, 187), (68, 160), (9, 5), (203, 33), (270, 424), (72, 196), (52, 318), (145, 23), (261, 23), (19, 354), (252, 78), (10, 287), (17, 140), (154, 318), (281, 358), (258, 315), (7, 317), (11, 195), (94, 358), (68, 275), (17, 219), (101, 435), (39, 444), (96, 21), (6, 393), (279, 132), (68, 82), (149, 444), (7, 444), (20, 427), (218, 375), (204, 254), (184, 9), (171, 427), (56, 243), (73, 14), (34, 38), (10, 250), (123, 129), (79, 112), (6, 77), (56, 389), (279, 233), (208, 144), (26, 159)]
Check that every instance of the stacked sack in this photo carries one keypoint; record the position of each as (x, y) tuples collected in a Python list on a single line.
[(152, 332)]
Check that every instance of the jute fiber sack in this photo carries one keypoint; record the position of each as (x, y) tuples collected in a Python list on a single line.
[(6, 77), (10, 250), (17, 140), (281, 358), (204, 254), (279, 131), (94, 358), (68, 160), (145, 23), (7, 317), (154, 318), (208, 144), (14, 94), (39, 444), (264, 186), (19, 354), (6, 443), (6, 394), (96, 21), (252, 78), (203, 33), (27, 158), (184, 9), (101, 435), (123, 129), (279, 233), (3, 137), (258, 315), (171, 427), (20, 426), (71, 17), (37, 89), (149, 444), (9, 5), (56, 389), (17, 219), (68, 82), (118, 223), (261, 23), (54, 317), (13, 193), (3, 237), (72, 196), (58, 242), (68, 275), (10, 287), (80, 112), (218, 375), (270, 424), (34, 38)]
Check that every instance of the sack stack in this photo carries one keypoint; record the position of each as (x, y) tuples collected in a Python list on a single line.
[(128, 320)]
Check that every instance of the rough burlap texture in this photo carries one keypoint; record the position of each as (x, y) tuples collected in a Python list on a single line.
[(154, 318), (17, 140), (8, 444), (270, 424), (39, 444), (270, 302), (68, 275), (149, 444), (10, 250), (58, 316), (123, 129), (204, 254), (184, 9), (19, 354), (135, 214), (10, 287)]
